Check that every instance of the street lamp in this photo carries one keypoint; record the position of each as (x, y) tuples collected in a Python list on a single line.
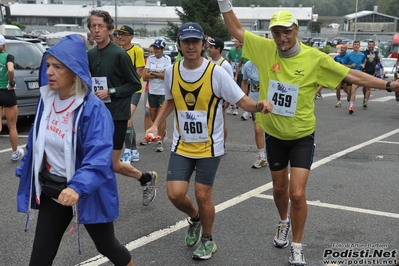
[(354, 35)]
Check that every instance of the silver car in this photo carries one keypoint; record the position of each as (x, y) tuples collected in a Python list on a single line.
[(26, 68), (390, 68)]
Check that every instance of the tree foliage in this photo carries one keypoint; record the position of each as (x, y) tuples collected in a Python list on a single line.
[(205, 13)]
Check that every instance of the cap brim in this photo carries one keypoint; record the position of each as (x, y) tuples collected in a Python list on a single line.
[(124, 31), (289, 24), (188, 36)]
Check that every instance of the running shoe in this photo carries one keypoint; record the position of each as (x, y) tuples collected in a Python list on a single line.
[(260, 162), (235, 111), (135, 156), (205, 249), (159, 146), (338, 105), (16, 155), (126, 157), (296, 256), (149, 190), (365, 104), (245, 116), (193, 235), (351, 110), (281, 238), (230, 110)]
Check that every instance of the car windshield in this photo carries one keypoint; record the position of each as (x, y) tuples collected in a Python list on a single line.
[(170, 47), (27, 55), (14, 32)]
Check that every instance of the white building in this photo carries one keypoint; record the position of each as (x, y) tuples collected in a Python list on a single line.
[(152, 18)]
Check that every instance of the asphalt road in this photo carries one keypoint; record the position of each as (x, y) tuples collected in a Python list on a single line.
[(352, 194)]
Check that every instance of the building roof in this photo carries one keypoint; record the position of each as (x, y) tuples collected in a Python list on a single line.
[(146, 12), (365, 13)]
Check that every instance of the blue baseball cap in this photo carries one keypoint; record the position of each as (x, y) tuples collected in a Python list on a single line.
[(159, 43), (190, 30)]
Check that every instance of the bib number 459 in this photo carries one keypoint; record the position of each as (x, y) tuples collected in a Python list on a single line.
[(281, 99)]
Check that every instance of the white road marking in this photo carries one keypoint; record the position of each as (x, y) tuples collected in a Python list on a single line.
[(341, 207), (382, 99), (358, 96), (98, 260)]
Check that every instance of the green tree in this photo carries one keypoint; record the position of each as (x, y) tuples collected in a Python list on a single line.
[(171, 31), (205, 13)]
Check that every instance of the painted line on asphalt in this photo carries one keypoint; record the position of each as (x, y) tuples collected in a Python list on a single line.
[(7, 150), (388, 142), (98, 260), (341, 207), (379, 99)]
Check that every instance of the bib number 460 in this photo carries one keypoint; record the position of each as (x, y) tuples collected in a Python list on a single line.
[(193, 127), (282, 99)]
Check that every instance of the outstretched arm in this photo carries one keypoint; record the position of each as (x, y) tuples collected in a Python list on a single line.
[(233, 25)]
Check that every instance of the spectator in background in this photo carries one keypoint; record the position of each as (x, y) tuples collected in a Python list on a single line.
[(154, 72)]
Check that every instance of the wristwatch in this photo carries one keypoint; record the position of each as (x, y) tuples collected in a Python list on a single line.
[(388, 86), (111, 91), (11, 83)]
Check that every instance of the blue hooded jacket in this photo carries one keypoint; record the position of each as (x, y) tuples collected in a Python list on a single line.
[(93, 177)]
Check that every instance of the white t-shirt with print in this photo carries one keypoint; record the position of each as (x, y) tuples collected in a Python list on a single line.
[(154, 64)]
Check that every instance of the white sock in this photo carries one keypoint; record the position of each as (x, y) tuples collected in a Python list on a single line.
[(262, 152), (127, 150), (297, 245), (285, 221)]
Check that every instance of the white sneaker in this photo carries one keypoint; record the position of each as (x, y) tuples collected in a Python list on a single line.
[(296, 256), (230, 110), (159, 146), (16, 155), (135, 156), (127, 157), (245, 116), (235, 111), (260, 162)]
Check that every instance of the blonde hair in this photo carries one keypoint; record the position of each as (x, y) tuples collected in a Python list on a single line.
[(80, 88)]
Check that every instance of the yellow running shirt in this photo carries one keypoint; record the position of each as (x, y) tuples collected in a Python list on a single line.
[(198, 95), (290, 84)]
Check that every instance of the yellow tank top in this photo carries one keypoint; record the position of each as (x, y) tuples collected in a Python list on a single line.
[(198, 115)]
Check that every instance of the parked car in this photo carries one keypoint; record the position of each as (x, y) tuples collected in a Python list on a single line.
[(390, 69), (40, 32), (26, 69), (305, 40), (171, 50), (334, 25)]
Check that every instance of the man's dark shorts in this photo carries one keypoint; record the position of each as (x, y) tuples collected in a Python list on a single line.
[(298, 153), (181, 168), (120, 127)]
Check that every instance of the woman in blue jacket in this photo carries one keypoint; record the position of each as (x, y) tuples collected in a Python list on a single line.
[(67, 171)]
